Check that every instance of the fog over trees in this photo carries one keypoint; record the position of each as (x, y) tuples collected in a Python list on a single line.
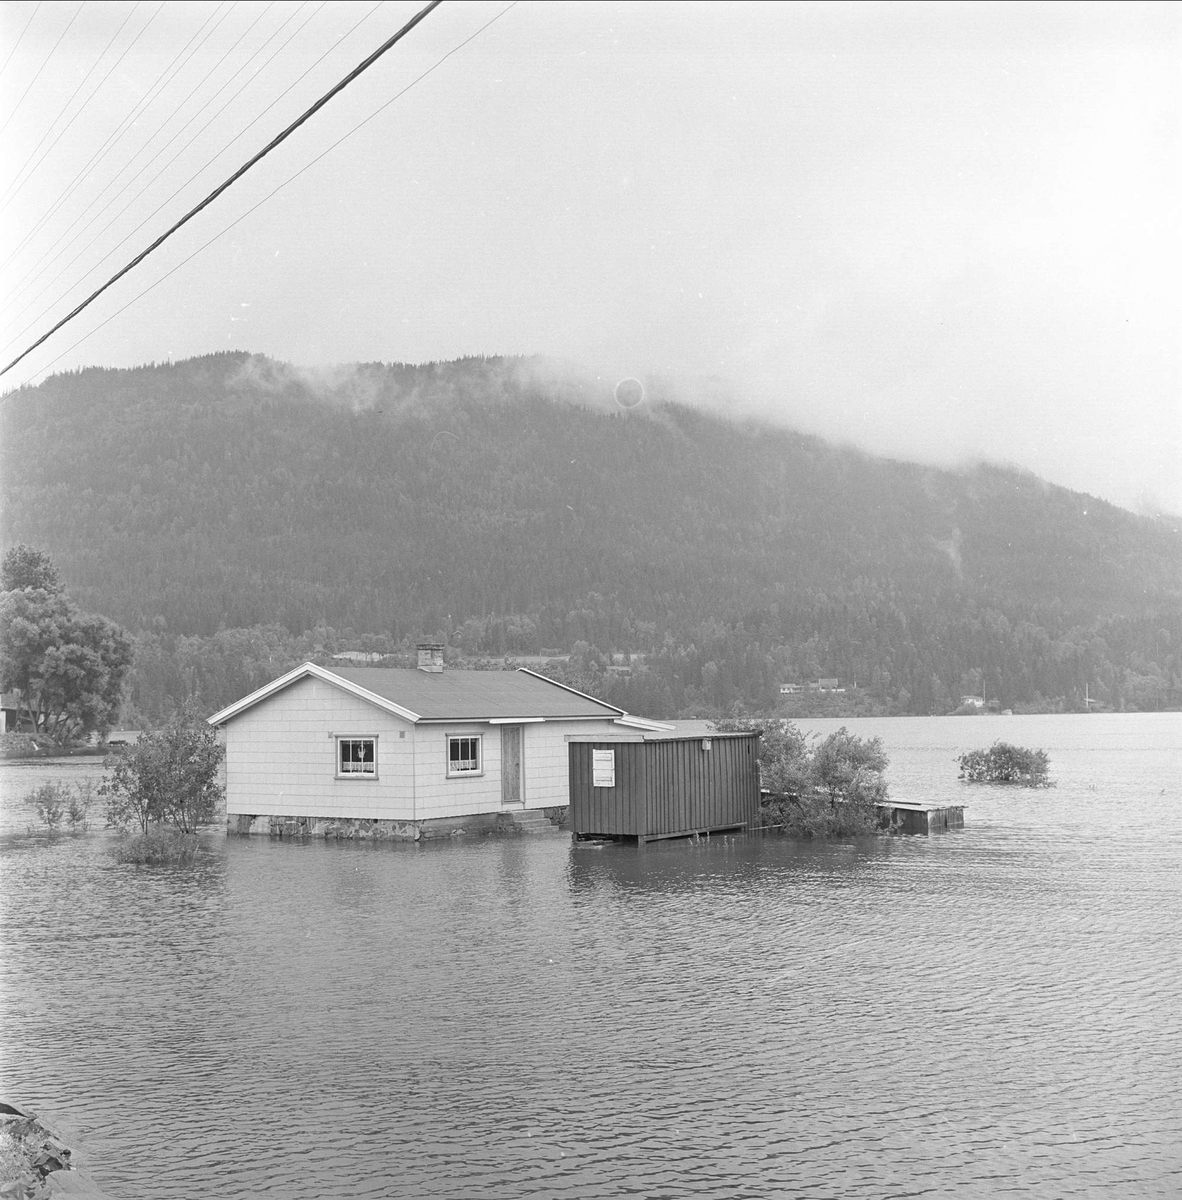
[(238, 517)]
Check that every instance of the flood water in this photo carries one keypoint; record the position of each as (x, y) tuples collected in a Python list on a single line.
[(996, 1011)]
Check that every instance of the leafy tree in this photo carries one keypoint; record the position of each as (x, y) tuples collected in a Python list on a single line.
[(849, 768), (1003, 763), (784, 755), (25, 567), (828, 789), (168, 777), (68, 666)]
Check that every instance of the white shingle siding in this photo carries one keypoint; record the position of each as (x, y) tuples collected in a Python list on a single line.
[(281, 760), (462, 795), (547, 770), (281, 757)]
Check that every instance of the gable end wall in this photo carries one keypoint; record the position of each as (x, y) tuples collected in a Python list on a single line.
[(281, 759)]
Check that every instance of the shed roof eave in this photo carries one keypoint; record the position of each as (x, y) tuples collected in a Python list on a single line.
[(301, 672), (632, 722)]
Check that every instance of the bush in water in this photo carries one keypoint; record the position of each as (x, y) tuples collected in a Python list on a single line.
[(1003, 763), (57, 800), (828, 789), (158, 847), (169, 777)]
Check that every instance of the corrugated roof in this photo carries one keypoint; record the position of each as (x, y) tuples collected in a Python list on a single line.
[(474, 695)]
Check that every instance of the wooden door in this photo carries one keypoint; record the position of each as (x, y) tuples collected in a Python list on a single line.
[(511, 764)]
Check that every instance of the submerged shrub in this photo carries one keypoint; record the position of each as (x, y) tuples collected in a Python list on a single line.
[(825, 789), (160, 846), (57, 801), (1003, 763), (171, 775), (78, 807), (814, 815), (50, 800)]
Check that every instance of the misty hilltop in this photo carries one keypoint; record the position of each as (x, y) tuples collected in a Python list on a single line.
[(492, 494)]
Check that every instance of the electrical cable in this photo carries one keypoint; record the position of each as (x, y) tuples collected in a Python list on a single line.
[(15, 187), (159, 130), (238, 220), (110, 71), (196, 173), (119, 132), (45, 259), (49, 258), (43, 66), (16, 45), (282, 137)]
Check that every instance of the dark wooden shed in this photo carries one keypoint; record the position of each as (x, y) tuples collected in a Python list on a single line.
[(663, 787)]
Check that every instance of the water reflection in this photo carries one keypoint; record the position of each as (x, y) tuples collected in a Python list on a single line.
[(730, 864)]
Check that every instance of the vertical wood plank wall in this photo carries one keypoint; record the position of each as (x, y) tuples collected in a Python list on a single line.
[(666, 787)]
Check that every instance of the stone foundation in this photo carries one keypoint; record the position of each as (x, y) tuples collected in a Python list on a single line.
[(350, 829)]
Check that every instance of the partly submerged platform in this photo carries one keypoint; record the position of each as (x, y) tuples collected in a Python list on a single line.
[(919, 816)]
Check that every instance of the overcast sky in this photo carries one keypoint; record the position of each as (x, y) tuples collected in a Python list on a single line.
[(939, 231)]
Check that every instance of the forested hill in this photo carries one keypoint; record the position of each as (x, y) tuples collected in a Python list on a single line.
[(517, 508)]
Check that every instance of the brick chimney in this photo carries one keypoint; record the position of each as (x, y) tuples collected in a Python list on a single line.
[(431, 657)]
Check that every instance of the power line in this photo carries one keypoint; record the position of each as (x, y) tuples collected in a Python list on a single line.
[(21, 38), (161, 84), (49, 258), (46, 258), (119, 132), (291, 179), (43, 65), (344, 83), (15, 187), (176, 192), (110, 70)]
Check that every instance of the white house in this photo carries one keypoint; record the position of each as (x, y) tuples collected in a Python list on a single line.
[(404, 753)]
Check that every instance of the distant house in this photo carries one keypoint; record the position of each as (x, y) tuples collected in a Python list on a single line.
[(972, 701), (829, 684), (10, 711), (410, 753), (358, 656), (791, 689)]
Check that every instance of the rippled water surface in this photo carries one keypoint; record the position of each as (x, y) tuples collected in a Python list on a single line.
[(983, 1013)]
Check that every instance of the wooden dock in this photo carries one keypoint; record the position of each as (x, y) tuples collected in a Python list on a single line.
[(918, 816)]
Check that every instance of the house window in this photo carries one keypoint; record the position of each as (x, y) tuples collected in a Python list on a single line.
[(357, 757), (463, 755)]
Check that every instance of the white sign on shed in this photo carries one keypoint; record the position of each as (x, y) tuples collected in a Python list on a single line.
[(603, 768)]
